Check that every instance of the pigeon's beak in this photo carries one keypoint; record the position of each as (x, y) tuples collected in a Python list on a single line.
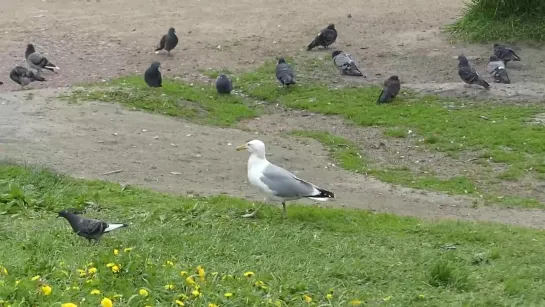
[(242, 147)]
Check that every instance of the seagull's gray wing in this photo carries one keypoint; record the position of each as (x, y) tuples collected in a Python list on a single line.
[(285, 184)]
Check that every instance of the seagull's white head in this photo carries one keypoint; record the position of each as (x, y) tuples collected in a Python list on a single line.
[(255, 147)]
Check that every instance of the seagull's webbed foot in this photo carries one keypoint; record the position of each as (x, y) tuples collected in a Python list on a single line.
[(252, 214)]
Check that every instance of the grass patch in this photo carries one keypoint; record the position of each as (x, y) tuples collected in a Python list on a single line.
[(199, 103), (336, 257), (501, 20)]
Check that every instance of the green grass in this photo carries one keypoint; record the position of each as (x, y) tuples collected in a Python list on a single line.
[(198, 102), (377, 259), (501, 20)]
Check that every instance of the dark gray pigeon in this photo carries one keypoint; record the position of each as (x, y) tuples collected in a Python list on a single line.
[(390, 89), (23, 76), (496, 68), (37, 61), (152, 75), (1, 82), (168, 41), (284, 73), (325, 38), (344, 62), (468, 74), (505, 54), (224, 85), (89, 228)]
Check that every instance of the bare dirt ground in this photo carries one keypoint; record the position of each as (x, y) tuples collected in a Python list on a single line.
[(93, 40)]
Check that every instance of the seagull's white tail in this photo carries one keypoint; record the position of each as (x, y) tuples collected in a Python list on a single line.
[(323, 195), (114, 227)]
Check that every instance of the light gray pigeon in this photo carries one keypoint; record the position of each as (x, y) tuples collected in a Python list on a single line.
[(37, 61), (496, 68), (23, 76), (325, 38), (224, 85), (89, 228), (390, 89), (168, 41), (284, 72), (468, 74), (344, 62), (505, 54), (152, 75)]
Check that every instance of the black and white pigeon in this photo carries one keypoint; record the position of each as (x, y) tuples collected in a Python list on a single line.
[(152, 75), (168, 41), (505, 54), (23, 76), (284, 72), (37, 61), (325, 38), (224, 85), (89, 228), (468, 74), (496, 68), (345, 63), (390, 89)]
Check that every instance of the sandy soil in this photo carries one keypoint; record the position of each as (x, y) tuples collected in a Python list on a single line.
[(94, 40)]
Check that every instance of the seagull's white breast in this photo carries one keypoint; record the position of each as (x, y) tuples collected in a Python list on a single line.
[(256, 166)]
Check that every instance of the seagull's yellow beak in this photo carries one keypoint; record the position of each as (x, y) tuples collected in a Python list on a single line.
[(242, 147)]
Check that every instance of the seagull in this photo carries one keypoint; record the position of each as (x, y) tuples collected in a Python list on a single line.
[(89, 228), (277, 183)]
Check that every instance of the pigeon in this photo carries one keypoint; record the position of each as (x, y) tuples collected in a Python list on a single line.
[(390, 89), (344, 62), (168, 41), (284, 72), (23, 76), (224, 85), (152, 75), (1, 82), (505, 54), (468, 74), (496, 68), (325, 38), (88, 228), (37, 61)]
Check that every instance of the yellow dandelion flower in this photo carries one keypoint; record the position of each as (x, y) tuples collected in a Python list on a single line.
[(261, 284), (196, 293), (46, 290), (111, 264), (69, 305), (189, 280), (183, 273), (3, 270), (228, 294), (329, 296), (170, 263), (81, 272), (116, 252), (143, 292), (92, 270), (75, 288), (355, 303), (127, 249), (249, 274), (183, 297), (106, 302), (180, 303), (169, 286), (17, 282), (421, 296), (201, 272), (95, 292), (115, 269), (212, 305), (35, 278), (307, 298), (88, 281)]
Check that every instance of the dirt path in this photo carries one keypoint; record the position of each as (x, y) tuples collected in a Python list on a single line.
[(94, 40), (91, 139)]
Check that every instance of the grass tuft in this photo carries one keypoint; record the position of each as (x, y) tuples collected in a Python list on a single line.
[(336, 257)]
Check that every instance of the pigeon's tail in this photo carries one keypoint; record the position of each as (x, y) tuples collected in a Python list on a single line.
[(484, 84), (286, 79), (114, 227), (515, 56), (323, 196), (500, 75), (353, 70), (312, 45), (159, 48), (384, 96)]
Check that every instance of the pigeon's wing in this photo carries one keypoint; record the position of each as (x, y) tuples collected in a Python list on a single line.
[(500, 75), (171, 42), (468, 74), (512, 55), (284, 73), (341, 61), (91, 227), (328, 36), (393, 87), (162, 43)]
